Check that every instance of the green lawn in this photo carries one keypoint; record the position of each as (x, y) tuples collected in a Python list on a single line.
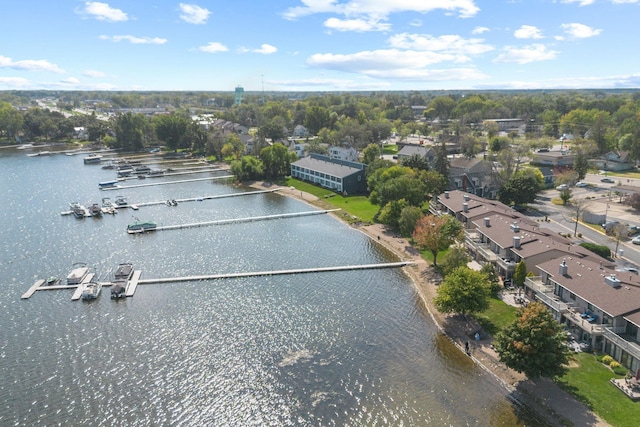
[(499, 315), (390, 149), (358, 206), (589, 382)]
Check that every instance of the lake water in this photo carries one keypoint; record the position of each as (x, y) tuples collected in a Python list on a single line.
[(324, 349)]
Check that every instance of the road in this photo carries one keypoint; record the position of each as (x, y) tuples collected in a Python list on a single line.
[(600, 200)]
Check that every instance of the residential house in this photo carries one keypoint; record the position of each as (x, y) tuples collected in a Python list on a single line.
[(348, 154), (424, 152), (474, 176), (613, 161), (339, 175), (300, 131), (554, 159)]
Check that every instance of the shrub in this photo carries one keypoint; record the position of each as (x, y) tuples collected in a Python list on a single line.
[(607, 359), (614, 365), (601, 250), (620, 370)]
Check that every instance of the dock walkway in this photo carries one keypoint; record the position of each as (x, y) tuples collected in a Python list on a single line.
[(133, 283), (78, 293)]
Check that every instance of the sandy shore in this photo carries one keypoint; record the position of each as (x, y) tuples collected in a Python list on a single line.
[(542, 396)]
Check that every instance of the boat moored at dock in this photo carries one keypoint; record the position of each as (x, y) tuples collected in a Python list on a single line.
[(118, 289), (123, 272), (91, 290), (77, 274), (107, 184), (92, 159), (141, 227)]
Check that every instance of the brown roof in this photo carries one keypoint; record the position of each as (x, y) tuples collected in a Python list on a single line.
[(586, 279)]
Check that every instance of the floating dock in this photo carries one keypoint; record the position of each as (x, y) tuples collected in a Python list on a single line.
[(132, 284), (32, 290)]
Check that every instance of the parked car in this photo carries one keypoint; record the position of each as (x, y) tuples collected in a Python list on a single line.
[(628, 269), (543, 150), (562, 187), (581, 184), (633, 230), (636, 240), (608, 180)]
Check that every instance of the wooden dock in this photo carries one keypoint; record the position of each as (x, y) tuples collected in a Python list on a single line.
[(132, 285), (218, 196), (32, 290)]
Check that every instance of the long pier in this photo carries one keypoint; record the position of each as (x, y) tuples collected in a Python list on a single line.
[(237, 220), (135, 280), (219, 196), (120, 187), (275, 272)]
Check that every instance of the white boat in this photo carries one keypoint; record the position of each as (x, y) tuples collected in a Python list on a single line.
[(77, 274), (92, 159), (91, 290), (79, 211)]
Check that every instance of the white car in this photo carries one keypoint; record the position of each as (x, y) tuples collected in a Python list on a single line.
[(581, 184), (636, 240), (562, 187)]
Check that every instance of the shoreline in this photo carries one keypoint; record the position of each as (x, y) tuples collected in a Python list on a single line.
[(543, 397)]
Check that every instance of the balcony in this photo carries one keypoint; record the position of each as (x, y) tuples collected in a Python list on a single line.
[(545, 294), (591, 328), (627, 345), (507, 264)]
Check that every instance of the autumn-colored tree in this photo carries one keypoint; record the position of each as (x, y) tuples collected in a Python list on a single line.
[(436, 233), (534, 343)]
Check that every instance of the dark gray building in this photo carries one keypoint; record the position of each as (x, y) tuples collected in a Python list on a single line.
[(339, 175)]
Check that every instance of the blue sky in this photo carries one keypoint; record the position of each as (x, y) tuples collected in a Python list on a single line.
[(319, 45)]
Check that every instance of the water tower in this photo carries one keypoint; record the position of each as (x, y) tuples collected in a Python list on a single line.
[(239, 95)]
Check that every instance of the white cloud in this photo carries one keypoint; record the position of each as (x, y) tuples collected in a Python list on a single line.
[(213, 47), (380, 8), (334, 84), (14, 82), (135, 40), (580, 2), (624, 1), (406, 65), (357, 25), (580, 31), (266, 49), (194, 14), (479, 30), (452, 44), (94, 74), (29, 65), (528, 32), (533, 53), (70, 81), (416, 23), (103, 12)]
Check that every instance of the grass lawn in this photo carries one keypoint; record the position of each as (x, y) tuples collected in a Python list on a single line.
[(426, 254), (588, 380), (358, 206), (499, 315), (390, 149)]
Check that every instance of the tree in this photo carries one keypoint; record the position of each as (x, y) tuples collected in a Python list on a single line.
[(441, 161), (370, 153), (565, 195), (391, 212), (247, 169), (456, 257), (632, 200), (416, 161), (233, 147), (171, 129), (522, 187), (463, 291), (316, 118), (409, 216), (581, 163), (131, 131), (276, 160), (520, 273), (11, 120), (534, 343), (437, 233)]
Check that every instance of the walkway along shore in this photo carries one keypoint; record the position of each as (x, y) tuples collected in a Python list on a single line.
[(544, 397)]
